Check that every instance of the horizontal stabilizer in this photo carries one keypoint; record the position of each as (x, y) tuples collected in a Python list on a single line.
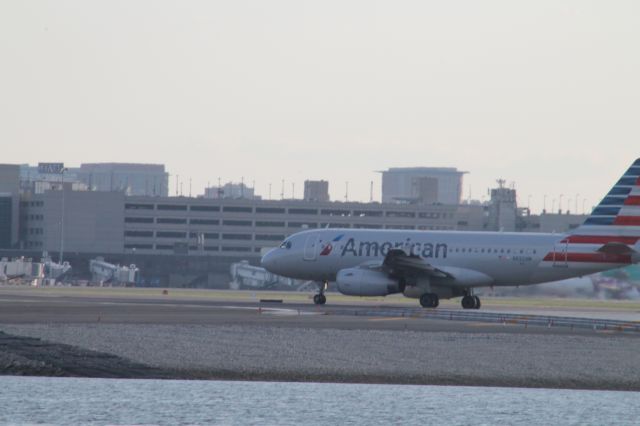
[(616, 248)]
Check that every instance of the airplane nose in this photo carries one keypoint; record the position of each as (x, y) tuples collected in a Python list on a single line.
[(268, 261)]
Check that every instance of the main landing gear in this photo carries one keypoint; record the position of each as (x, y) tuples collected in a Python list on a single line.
[(429, 300), (471, 302), (320, 298)]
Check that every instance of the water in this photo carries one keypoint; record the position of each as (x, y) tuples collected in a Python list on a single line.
[(110, 401)]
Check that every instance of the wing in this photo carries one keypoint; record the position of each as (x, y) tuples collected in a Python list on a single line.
[(398, 263)]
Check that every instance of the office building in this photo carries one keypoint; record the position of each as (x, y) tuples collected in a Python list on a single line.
[(130, 178), (316, 190), (422, 185), (230, 190), (9, 205)]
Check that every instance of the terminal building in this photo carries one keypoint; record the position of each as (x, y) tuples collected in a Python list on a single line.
[(110, 222), (184, 241)]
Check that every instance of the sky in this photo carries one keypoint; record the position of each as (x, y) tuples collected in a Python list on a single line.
[(544, 94)]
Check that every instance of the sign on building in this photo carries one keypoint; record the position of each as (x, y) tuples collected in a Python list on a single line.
[(50, 168)]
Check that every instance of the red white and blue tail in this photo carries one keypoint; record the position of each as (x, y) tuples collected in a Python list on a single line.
[(612, 231), (617, 217)]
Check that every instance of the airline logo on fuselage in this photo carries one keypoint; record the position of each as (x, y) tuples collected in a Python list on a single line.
[(326, 251), (375, 249)]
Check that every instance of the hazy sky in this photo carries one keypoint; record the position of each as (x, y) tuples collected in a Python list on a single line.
[(542, 93)]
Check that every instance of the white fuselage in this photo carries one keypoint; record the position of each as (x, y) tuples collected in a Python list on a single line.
[(496, 258)]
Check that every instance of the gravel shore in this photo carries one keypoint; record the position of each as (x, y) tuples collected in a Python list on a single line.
[(381, 356), (29, 356)]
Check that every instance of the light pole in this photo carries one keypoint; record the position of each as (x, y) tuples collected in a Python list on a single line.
[(560, 203), (62, 215)]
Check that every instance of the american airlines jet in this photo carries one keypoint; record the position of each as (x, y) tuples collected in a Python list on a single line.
[(430, 265)]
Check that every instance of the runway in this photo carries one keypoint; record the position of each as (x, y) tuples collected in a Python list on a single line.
[(152, 306)]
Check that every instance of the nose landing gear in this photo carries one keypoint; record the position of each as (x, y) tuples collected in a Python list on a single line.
[(320, 298)]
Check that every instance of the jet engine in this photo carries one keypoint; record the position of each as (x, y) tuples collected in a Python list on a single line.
[(367, 282)]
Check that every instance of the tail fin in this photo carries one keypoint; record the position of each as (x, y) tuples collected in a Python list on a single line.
[(617, 218)]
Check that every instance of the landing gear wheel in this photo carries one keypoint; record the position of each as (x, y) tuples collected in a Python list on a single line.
[(469, 302), (429, 300), (319, 299), (477, 302)]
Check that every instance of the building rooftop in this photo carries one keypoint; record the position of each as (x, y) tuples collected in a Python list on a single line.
[(423, 170)]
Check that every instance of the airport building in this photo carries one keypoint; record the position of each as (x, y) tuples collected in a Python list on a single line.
[(502, 209), (9, 205), (130, 178), (422, 185), (553, 222), (193, 241), (316, 190), (110, 222), (230, 190), (184, 241)]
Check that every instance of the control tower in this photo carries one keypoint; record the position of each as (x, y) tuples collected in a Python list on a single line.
[(502, 208)]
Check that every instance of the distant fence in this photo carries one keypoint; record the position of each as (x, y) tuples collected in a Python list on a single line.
[(492, 317)]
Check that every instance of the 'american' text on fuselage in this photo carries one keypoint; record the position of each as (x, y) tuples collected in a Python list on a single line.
[(373, 248)]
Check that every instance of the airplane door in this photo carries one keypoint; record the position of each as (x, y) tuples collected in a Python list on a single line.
[(311, 247), (560, 255)]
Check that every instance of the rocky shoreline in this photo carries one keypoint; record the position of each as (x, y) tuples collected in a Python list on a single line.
[(29, 356), (274, 354)]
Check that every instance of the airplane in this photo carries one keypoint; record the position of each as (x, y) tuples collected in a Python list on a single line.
[(434, 265)]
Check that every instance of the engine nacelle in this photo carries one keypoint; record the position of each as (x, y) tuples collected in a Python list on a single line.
[(366, 282)]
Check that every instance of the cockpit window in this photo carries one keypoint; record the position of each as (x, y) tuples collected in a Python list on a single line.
[(285, 245)]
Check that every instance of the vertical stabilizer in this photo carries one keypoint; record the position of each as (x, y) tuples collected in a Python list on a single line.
[(617, 217)]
